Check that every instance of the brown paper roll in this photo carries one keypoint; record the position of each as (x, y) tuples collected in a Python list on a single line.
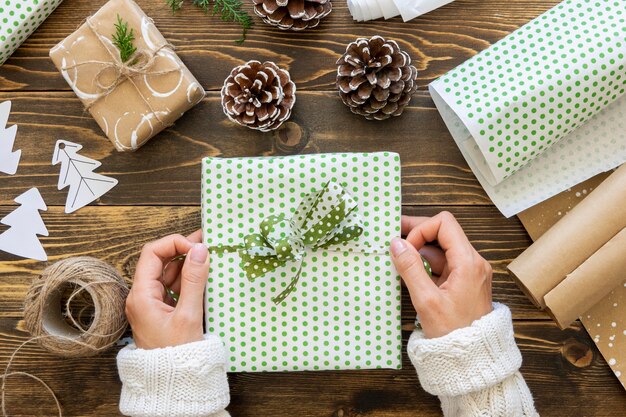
[(580, 291), (572, 240)]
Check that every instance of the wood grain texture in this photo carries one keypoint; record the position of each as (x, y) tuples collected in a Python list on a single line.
[(159, 192), (117, 234), (437, 42), (560, 387), (166, 171)]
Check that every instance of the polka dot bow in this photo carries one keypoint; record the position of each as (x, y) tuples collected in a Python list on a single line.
[(323, 219)]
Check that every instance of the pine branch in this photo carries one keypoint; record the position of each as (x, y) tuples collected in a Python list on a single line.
[(230, 10), (203, 4), (123, 39), (175, 5)]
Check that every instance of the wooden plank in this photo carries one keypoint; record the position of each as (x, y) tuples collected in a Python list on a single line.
[(166, 171), (565, 372), (116, 235), (437, 42)]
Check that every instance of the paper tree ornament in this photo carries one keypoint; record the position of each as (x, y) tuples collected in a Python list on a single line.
[(25, 224), (77, 173), (9, 159)]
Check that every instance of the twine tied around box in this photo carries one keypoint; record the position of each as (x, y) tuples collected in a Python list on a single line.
[(139, 63)]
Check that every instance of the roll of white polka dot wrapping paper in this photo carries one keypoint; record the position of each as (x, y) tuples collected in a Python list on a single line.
[(542, 109), (18, 20), (345, 310)]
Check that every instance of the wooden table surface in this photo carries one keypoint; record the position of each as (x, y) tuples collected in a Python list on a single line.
[(159, 188)]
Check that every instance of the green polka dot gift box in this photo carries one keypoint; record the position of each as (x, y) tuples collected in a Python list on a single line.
[(18, 20), (542, 109), (301, 276)]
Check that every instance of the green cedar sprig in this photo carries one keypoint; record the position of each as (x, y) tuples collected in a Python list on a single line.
[(123, 39), (203, 4), (175, 5), (229, 11)]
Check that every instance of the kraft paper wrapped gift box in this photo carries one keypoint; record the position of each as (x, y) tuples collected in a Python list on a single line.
[(133, 101), (319, 225)]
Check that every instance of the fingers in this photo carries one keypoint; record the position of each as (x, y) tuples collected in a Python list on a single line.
[(410, 266), (409, 223), (155, 254), (193, 279), (171, 275), (443, 228), (195, 237), (435, 257)]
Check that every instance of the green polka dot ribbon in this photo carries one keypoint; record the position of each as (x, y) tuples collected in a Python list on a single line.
[(20, 18), (324, 219)]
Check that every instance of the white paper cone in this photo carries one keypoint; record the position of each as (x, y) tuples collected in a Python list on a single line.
[(374, 9), (410, 9), (388, 8)]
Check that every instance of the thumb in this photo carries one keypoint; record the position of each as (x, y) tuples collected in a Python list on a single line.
[(410, 266), (194, 276)]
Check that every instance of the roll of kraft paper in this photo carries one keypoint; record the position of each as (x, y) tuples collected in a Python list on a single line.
[(573, 240), (589, 283), (544, 108)]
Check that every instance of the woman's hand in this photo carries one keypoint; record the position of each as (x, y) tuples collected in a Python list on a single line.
[(460, 293), (157, 321)]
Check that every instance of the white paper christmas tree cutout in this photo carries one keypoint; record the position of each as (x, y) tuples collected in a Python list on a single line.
[(25, 224), (77, 173), (9, 159)]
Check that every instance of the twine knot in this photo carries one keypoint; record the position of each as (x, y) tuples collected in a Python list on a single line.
[(140, 63)]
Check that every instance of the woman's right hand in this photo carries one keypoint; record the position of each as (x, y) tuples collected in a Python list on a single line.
[(156, 319), (460, 291)]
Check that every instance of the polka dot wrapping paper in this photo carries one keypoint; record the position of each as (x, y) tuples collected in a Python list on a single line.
[(345, 310), (18, 20), (542, 109)]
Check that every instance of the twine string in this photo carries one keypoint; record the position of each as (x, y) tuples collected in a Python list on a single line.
[(140, 63), (104, 286)]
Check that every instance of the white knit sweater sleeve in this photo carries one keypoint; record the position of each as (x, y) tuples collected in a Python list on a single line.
[(475, 370), (187, 380)]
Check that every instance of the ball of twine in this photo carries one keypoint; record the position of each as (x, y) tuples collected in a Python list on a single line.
[(67, 335)]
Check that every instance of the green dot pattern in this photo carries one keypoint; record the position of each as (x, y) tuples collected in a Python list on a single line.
[(345, 311), (19, 19), (535, 86)]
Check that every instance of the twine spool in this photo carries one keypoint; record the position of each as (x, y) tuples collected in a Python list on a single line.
[(66, 335), (44, 318)]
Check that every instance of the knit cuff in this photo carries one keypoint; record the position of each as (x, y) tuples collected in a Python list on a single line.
[(186, 380), (468, 359)]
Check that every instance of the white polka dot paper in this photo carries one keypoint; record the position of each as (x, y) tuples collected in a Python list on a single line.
[(19, 19), (345, 310), (542, 109)]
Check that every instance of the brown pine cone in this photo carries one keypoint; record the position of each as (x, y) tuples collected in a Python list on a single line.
[(375, 78), (259, 96), (292, 14)]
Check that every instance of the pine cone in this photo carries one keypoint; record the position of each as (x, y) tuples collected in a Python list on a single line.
[(259, 96), (375, 78), (292, 14)]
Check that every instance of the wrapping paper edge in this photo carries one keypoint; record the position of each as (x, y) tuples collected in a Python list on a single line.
[(21, 27)]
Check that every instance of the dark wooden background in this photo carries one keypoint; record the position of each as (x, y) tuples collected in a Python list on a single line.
[(158, 193)]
